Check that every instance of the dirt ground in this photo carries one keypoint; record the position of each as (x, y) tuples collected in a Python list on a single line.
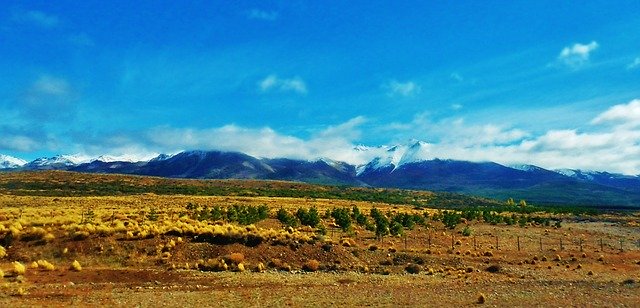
[(592, 261), (155, 288)]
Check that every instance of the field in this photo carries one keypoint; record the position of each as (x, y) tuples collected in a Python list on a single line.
[(95, 240)]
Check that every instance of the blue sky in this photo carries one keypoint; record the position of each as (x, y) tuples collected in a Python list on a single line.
[(543, 82)]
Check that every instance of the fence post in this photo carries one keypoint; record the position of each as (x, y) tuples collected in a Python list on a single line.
[(580, 245), (561, 248), (621, 240), (518, 243), (541, 244), (405, 242), (497, 243), (429, 239), (452, 241), (476, 247), (601, 246)]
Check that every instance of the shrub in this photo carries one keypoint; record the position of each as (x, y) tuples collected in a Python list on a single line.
[(311, 265), (153, 215), (240, 267), (235, 258), (309, 217), (629, 281), (215, 265), (396, 228), (49, 237), (466, 231), (321, 229), (260, 268), (481, 298), (44, 264), (495, 268), (286, 219), (382, 223), (279, 265), (342, 218), (413, 268), (18, 268), (75, 266), (451, 219)]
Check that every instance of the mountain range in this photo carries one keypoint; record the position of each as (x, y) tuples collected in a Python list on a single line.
[(402, 166)]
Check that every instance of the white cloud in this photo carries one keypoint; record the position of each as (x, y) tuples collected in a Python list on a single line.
[(49, 85), (19, 143), (577, 54), (635, 64), (48, 98), (405, 89), (37, 18), (262, 15), (273, 82), (456, 106), (614, 148), (335, 142), (622, 114)]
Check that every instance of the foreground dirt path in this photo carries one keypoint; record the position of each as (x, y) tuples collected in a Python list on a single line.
[(155, 288)]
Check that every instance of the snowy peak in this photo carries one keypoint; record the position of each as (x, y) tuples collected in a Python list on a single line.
[(57, 162), (161, 157), (529, 168), (417, 152), (112, 159), (397, 155), (10, 162), (568, 172)]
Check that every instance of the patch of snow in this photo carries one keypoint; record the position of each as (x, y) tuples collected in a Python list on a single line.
[(7, 162), (525, 167)]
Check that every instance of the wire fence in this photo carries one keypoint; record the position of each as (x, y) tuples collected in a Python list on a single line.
[(522, 243), (500, 242)]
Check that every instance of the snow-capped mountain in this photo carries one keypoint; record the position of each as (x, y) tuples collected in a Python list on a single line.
[(408, 166), (111, 158), (527, 168), (56, 162), (616, 180), (9, 162), (393, 157)]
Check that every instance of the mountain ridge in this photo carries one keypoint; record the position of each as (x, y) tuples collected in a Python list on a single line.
[(406, 167)]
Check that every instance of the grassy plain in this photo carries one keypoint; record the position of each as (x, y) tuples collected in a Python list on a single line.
[(149, 242)]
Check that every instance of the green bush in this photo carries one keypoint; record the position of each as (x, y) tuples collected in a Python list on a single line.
[(286, 219), (382, 223), (342, 218), (466, 231), (309, 217)]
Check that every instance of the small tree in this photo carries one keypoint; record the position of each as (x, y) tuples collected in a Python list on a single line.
[(309, 217), (382, 223), (153, 214), (342, 218), (396, 228), (286, 219), (510, 202)]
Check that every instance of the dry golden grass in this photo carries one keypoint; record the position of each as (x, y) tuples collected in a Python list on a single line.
[(114, 232), (75, 266)]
